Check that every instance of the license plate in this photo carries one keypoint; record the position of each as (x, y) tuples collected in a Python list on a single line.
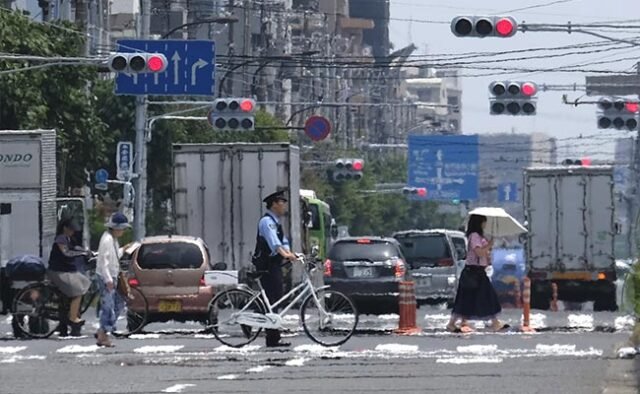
[(363, 272), (170, 306)]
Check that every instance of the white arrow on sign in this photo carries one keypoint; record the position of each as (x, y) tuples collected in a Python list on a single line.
[(197, 65), (507, 192), (176, 64)]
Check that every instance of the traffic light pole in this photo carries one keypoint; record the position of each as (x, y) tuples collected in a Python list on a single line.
[(139, 217)]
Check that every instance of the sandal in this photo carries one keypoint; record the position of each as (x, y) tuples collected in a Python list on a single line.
[(453, 329)]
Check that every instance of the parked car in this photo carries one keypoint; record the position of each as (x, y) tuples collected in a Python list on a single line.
[(368, 270), (436, 259), (169, 270)]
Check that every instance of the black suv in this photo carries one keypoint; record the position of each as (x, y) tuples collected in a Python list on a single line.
[(368, 270)]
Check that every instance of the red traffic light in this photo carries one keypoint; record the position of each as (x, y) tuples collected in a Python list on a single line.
[(247, 105), (422, 192), (586, 161), (156, 63), (529, 89), (505, 27), (631, 106), (358, 165)]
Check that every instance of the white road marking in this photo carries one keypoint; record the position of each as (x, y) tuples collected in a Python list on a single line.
[(78, 349), (178, 388), (627, 352), (296, 362), (397, 348), (244, 349), (16, 358), (477, 349), (11, 349), (158, 349), (144, 336), (581, 321), (227, 377), (469, 360), (259, 368)]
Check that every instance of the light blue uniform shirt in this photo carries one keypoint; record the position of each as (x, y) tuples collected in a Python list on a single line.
[(268, 229)]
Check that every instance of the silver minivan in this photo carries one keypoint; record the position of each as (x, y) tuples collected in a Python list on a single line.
[(435, 259)]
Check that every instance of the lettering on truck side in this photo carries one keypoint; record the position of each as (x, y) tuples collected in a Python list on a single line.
[(16, 159)]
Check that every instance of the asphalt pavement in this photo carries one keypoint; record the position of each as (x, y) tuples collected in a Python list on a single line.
[(572, 352)]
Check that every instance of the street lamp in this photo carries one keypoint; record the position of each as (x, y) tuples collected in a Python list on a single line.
[(222, 21)]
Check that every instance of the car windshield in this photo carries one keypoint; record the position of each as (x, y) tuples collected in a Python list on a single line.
[(170, 255), (424, 250), (374, 251)]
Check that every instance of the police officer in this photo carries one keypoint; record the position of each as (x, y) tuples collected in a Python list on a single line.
[(272, 250)]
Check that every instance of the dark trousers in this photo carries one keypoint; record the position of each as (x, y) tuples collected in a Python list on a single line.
[(272, 285)]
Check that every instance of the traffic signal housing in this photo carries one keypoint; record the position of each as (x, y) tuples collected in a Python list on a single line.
[(348, 170), (136, 63), (417, 193), (618, 113), (484, 26), (585, 162), (233, 114), (513, 98)]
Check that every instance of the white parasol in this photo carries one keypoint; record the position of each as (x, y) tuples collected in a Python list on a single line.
[(499, 222)]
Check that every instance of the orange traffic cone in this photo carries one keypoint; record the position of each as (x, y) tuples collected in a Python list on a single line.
[(407, 309)]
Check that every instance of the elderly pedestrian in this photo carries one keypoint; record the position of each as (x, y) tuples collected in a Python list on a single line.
[(476, 298), (108, 268)]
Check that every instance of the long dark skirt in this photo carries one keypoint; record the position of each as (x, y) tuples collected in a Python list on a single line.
[(479, 302)]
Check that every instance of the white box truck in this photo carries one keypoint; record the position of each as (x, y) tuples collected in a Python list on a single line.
[(27, 192), (27, 198), (570, 218), (218, 191)]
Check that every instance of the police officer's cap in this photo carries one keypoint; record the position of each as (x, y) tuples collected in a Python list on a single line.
[(277, 196)]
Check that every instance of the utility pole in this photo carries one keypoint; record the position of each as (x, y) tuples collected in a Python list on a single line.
[(246, 42), (140, 147), (231, 46), (633, 198)]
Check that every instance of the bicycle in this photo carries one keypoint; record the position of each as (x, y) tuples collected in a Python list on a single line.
[(238, 315), (40, 309)]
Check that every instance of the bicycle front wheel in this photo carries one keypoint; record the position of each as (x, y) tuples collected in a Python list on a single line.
[(37, 310), (223, 313), (331, 319)]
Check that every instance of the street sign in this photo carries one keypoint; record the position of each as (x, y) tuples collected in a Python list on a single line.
[(102, 176), (447, 165), (191, 68), (508, 192), (124, 160), (317, 128), (613, 85)]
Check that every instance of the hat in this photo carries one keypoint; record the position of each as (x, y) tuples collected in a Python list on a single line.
[(118, 222), (279, 195)]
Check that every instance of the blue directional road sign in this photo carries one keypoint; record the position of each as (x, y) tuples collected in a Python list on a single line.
[(508, 192), (190, 69), (102, 176), (447, 165)]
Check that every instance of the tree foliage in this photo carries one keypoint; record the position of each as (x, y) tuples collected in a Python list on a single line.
[(54, 97)]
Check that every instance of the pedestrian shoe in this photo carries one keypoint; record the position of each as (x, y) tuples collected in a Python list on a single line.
[(103, 339)]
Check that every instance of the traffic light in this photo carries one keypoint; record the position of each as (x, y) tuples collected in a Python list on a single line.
[(233, 114), (415, 192), (585, 162), (513, 98), (136, 63), (348, 170), (484, 26), (617, 113)]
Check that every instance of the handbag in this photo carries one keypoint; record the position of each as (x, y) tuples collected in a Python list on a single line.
[(123, 285)]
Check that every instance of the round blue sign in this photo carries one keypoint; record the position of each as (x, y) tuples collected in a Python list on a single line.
[(102, 176), (317, 128)]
